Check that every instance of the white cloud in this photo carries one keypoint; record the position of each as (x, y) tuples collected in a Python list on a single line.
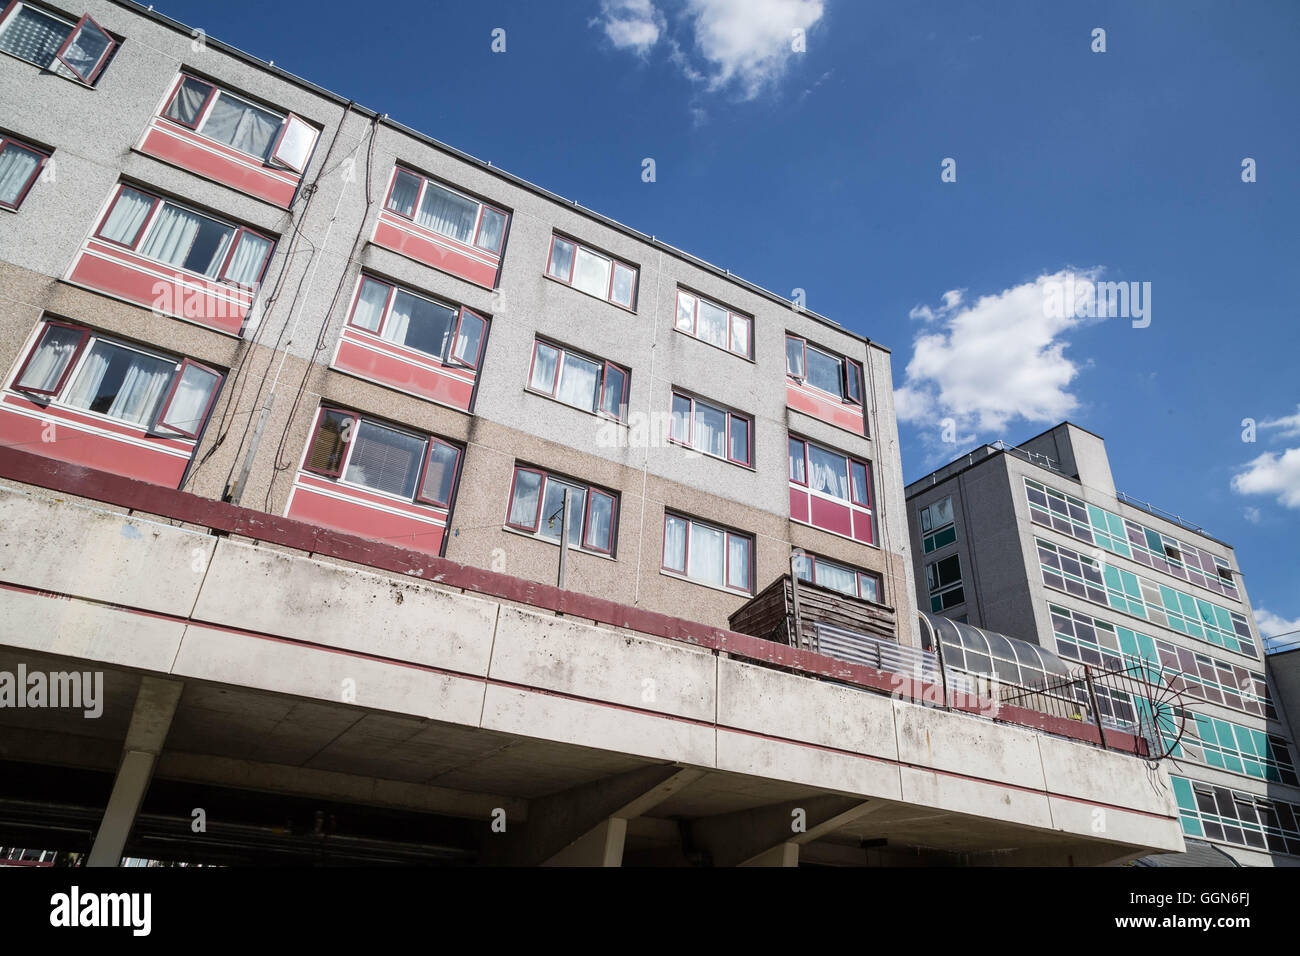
[(631, 24), (740, 45), (1254, 516), (1271, 625), (1272, 473), (998, 359), (1289, 424)]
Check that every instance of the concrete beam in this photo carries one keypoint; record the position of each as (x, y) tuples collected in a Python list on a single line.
[(586, 825), (772, 835), (155, 705)]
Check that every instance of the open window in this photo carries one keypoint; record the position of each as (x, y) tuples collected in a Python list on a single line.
[(471, 330), (249, 254), (86, 50), (438, 482), (852, 381), (46, 369), (190, 399), (293, 146), (20, 167), (329, 444)]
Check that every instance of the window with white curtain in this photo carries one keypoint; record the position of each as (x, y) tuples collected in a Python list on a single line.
[(75, 49), (830, 473), (449, 334), (708, 554), (175, 235), (590, 384), (73, 367), (20, 167), (259, 131), (838, 577), (537, 505), (592, 272), (447, 212), (713, 323), (713, 430), (356, 450)]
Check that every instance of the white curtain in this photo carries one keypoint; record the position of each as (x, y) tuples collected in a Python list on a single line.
[(419, 324), (448, 213), (685, 312), (675, 543), (51, 358), (191, 399), (16, 167), (710, 430), (120, 383), (837, 578), (598, 522), (405, 191), (489, 234), (591, 274), (543, 378), (707, 560), (738, 563), (126, 216), (739, 335), (370, 305), (828, 473), (241, 125), (246, 263), (713, 324), (172, 235), (579, 380), (523, 507), (187, 102)]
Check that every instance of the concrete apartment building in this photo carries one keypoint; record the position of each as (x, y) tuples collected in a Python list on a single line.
[(1034, 541), (291, 394)]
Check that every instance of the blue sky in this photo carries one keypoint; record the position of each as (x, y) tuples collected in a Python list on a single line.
[(820, 169)]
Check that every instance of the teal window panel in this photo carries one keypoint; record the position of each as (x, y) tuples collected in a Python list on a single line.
[(1207, 612), (1205, 729), (1188, 606), (1154, 542), (1194, 629), (1230, 643), (1127, 641), (936, 604), (1271, 773), (1192, 827), (1148, 648), (1254, 770), (1262, 746), (1170, 597), (1224, 619), (1111, 575), (1131, 586), (1213, 759), (1224, 733), (1244, 742), (1177, 624), (1232, 763), (945, 537), (1183, 793), (1137, 609)]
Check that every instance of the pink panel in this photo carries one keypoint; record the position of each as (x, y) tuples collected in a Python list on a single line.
[(172, 298), (824, 407), (798, 504), (862, 527), (832, 516), (435, 253), (215, 162), (440, 386), (93, 451), (356, 518)]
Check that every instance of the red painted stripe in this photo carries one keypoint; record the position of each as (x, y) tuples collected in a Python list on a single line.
[(191, 151), (175, 298), (433, 253), (433, 383), (73, 479), (92, 451)]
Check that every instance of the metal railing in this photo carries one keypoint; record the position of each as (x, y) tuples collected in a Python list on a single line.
[(984, 451), (1151, 509)]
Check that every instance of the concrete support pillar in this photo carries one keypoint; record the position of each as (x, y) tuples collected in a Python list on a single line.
[(600, 846), (785, 854), (155, 705), (772, 835)]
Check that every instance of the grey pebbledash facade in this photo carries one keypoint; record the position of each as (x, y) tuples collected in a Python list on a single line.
[(496, 341), (1033, 541)]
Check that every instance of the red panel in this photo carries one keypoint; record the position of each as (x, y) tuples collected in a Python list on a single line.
[(439, 253), (93, 451), (798, 504), (825, 407), (213, 161), (356, 518), (437, 384), (862, 526), (832, 516), (188, 298)]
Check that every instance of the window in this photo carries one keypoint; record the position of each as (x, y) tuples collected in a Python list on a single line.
[(451, 335), (592, 272), (840, 377), (20, 167), (937, 530), (712, 430), (1233, 816), (537, 500), (76, 368), (830, 473), (167, 232), (443, 210), (362, 452), (579, 380), (944, 580), (838, 577), (268, 135), (708, 554), (77, 50), (715, 324)]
